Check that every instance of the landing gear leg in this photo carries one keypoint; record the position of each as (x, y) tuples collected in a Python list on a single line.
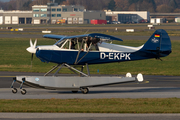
[(84, 90), (14, 90), (23, 91)]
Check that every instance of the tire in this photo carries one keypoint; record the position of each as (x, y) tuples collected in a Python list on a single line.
[(23, 92), (14, 90), (85, 90)]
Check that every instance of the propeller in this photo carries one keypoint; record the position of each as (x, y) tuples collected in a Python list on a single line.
[(32, 49)]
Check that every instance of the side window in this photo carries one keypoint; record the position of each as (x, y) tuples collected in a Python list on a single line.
[(94, 47), (74, 44), (92, 43), (66, 45)]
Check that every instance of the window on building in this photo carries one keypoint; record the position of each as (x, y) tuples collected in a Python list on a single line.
[(58, 15), (43, 9), (75, 9), (53, 10), (53, 15), (58, 9), (100, 15), (36, 10), (35, 15), (64, 9), (43, 15)]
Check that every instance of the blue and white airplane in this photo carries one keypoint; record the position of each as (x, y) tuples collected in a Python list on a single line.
[(90, 49)]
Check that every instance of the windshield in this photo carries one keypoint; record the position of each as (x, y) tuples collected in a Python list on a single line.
[(83, 44), (60, 42)]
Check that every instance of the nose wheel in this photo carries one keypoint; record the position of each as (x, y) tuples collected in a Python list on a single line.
[(14, 90), (23, 92)]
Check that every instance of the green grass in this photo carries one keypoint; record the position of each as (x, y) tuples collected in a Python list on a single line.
[(145, 105), (14, 57)]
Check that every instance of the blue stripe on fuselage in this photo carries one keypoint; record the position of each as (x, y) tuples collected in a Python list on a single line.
[(92, 57)]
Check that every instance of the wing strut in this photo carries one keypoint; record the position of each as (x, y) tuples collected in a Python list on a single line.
[(79, 52), (76, 70), (70, 67), (52, 69), (58, 69), (85, 54)]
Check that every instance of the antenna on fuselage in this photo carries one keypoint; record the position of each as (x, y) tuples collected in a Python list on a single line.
[(86, 32)]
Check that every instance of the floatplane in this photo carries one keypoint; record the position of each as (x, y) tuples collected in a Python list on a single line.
[(87, 49)]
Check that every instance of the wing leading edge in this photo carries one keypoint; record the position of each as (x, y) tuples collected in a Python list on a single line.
[(99, 35)]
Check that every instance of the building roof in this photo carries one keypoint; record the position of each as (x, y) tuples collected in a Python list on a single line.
[(17, 11)]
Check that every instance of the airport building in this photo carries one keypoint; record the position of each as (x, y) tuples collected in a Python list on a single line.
[(128, 16), (52, 13), (15, 17)]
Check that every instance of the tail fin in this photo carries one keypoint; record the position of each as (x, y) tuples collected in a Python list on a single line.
[(159, 44)]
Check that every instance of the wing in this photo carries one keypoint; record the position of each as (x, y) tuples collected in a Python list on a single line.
[(58, 37), (104, 36), (99, 35)]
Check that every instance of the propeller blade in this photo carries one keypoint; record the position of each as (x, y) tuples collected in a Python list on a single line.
[(32, 48), (35, 43), (31, 44)]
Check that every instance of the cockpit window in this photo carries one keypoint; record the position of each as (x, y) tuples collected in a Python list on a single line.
[(85, 44), (60, 43), (66, 45), (91, 43), (94, 47)]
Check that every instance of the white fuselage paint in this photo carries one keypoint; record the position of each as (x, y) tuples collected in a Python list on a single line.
[(106, 47), (116, 52)]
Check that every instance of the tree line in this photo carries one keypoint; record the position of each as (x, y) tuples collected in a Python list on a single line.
[(161, 6)]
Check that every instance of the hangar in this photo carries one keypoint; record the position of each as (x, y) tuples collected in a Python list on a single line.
[(15, 17), (127, 16)]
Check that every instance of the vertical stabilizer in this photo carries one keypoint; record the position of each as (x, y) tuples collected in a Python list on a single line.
[(159, 43)]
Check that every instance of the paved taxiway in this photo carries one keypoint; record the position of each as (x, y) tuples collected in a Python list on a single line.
[(86, 116), (158, 86), (120, 36), (152, 87)]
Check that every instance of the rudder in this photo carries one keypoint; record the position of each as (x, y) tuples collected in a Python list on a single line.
[(159, 43)]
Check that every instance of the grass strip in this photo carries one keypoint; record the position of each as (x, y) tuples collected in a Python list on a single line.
[(144, 105), (79, 31)]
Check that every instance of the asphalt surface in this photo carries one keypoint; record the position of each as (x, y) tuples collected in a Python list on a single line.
[(86, 116), (122, 37), (152, 87)]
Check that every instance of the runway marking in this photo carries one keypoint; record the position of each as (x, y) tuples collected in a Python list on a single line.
[(147, 82)]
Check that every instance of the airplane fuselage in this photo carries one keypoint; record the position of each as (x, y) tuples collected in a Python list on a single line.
[(94, 57), (97, 51)]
